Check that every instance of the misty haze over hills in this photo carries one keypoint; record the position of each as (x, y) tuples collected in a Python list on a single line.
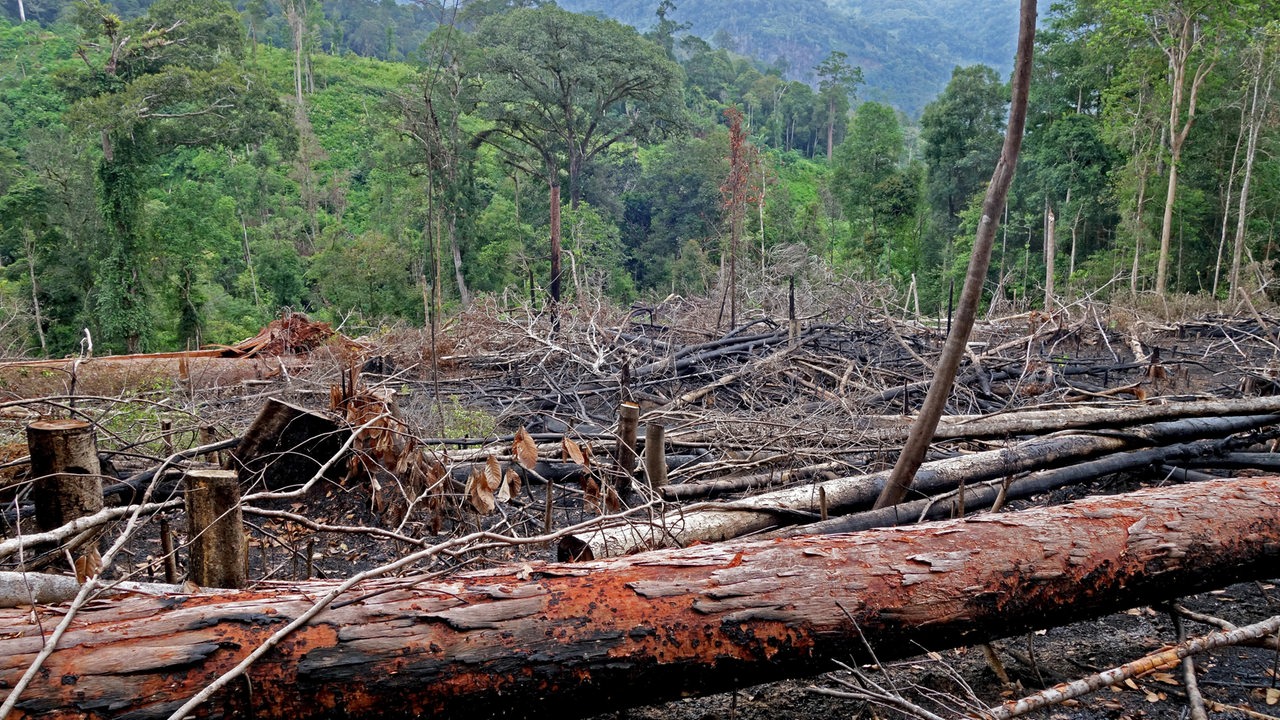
[(906, 48)]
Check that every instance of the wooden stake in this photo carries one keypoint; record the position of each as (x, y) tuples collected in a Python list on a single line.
[(64, 463), (549, 510), (209, 436), (218, 547), (655, 455), (793, 327), (170, 557), (628, 423)]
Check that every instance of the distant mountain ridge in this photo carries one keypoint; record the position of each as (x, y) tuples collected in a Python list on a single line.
[(906, 48)]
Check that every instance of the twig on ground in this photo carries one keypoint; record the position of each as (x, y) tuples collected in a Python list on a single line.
[(1163, 659)]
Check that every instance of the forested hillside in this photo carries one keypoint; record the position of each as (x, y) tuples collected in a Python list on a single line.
[(179, 172), (905, 48)]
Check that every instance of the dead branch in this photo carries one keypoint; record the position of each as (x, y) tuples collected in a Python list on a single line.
[(1157, 661)]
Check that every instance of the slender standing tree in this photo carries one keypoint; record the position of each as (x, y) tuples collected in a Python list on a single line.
[(1260, 62), (921, 433), (1191, 35), (837, 82), (564, 88)]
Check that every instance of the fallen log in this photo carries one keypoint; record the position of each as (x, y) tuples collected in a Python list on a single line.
[(1034, 422), (565, 641), (982, 496), (875, 431), (115, 374), (715, 522)]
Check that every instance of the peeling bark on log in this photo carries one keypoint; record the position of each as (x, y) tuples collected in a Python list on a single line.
[(571, 640), (715, 522)]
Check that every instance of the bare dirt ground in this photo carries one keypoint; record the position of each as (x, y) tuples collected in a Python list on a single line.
[(788, 403)]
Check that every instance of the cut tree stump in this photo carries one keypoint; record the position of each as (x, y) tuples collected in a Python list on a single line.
[(64, 464), (287, 445), (218, 546), (570, 640)]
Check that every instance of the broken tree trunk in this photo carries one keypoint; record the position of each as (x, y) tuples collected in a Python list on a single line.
[(546, 640), (714, 522), (287, 445)]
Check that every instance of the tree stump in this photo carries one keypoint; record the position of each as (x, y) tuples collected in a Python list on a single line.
[(287, 445), (64, 465), (655, 457), (218, 546)]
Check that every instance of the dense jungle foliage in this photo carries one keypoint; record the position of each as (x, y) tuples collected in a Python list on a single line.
[(177, 172)]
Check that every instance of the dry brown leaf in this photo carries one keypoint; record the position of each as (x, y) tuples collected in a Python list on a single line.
[(492, 473), (572, 452), (591, 493), (479, 494), (1273, 696), (612, 503), (524, 449), (88, 565), (512, 481)]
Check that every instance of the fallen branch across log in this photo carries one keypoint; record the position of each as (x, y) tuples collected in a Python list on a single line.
[(548, 640)]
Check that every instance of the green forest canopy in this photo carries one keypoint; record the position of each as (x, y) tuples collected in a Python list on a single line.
[(175, 173)]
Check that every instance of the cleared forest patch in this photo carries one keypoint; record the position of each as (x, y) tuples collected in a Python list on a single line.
[(392, 465)]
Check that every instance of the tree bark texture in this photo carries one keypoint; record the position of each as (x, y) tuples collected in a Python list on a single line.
[(64, 465), (554, 192), (551, 640), (218, 546)]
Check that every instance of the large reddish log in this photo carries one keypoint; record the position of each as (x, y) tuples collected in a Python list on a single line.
[(568, 640), (114, 374)]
